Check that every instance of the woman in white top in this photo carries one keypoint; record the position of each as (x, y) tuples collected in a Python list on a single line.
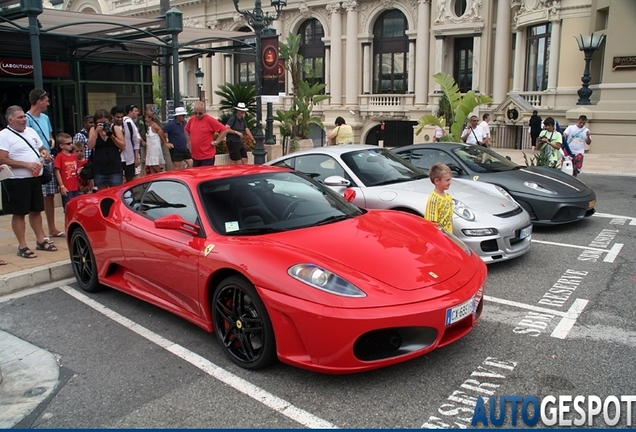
[(155, 138)]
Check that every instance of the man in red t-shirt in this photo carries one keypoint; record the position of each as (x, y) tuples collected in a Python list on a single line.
[(200, 132)]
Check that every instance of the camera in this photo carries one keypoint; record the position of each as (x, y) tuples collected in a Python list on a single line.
[(108, 128)]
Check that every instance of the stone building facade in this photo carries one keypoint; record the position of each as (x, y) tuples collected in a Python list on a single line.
[(377, 59)]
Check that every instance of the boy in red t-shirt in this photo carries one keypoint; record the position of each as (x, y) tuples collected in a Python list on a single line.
[(66, 168), (85, 186)]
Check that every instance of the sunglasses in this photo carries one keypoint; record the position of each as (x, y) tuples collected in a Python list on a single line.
[(199, 113), (67, 143), (42, 95)]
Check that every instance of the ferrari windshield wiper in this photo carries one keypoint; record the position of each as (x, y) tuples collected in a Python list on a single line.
[(331, 219), (258, 230)]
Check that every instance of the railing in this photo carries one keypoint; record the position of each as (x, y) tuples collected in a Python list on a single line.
[(533, 98), (376, 105)]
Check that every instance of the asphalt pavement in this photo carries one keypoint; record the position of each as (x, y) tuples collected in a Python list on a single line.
[(28, 374)]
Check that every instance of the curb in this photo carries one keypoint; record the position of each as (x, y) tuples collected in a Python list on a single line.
[(16, 281)]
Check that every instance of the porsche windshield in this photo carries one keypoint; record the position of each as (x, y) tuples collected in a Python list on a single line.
[(271, 202), (482, 160), (377, 167)]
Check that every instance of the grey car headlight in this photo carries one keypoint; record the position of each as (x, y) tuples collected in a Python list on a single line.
[(324, 280), (505, 193), (538, 187), (479, 232), (462, 210)]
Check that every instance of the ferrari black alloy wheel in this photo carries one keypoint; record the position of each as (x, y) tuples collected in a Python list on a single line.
[(83, 261), (242, 324)]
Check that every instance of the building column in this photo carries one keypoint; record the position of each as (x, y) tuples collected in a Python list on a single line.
[(367, 67), (352, 78), (439, 57), (518, 77), (422, 53), (217, 77), (502, 53), (335, 68), (229, 76), (410, 67), (476, 61), (555, 42), (327, 69)]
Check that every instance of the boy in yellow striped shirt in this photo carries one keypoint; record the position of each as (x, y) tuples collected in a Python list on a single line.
[(439, 207)]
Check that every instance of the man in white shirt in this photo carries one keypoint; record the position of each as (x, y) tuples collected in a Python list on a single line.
[(577, 136), (22, 149), (484, 125), (474, 134), (130, 156)]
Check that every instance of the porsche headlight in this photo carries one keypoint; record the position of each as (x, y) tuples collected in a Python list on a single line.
[(458, 242), (462, 210), (505, 193), (324, 280), (538, 187), (480, 232)]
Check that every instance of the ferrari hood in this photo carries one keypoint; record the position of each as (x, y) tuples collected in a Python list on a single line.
[(478, 199), (420, 255), (552, 179)]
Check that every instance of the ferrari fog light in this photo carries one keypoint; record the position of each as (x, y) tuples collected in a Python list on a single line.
[(458, 242), (538, 187), (462, 210), (480, 232), (324, 280)]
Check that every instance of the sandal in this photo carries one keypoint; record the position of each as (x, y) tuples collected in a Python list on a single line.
[(59, 234), (47, 245), (25, 252), (3, 263)]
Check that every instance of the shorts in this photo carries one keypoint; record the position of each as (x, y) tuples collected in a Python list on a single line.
[(51, 188), (178, 155), (108, 180), (236, 150), (129, 171), (22, 196), (202, 162)]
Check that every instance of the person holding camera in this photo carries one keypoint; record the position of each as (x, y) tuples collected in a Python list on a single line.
[(473, 133), (106, 142), (550, 140)]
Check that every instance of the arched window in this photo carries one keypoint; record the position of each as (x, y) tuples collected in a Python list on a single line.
[(312, 48), (390, 53), (244, 60)]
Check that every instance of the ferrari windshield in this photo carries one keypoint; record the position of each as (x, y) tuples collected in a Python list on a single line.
[(271, 202), (377, 167), (483, 160)]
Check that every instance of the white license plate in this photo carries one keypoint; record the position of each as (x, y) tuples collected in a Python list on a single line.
[(525, 232), (460, 312)]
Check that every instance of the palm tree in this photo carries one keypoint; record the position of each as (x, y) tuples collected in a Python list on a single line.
[(459, 108)]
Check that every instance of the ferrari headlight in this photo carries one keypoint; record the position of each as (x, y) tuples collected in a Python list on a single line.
[(458, 242), (538, 187), (324, 280), (462, 210), (505, 193)]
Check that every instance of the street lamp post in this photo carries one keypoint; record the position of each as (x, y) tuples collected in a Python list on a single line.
[(199, 76), (587, 44), (259, 21)]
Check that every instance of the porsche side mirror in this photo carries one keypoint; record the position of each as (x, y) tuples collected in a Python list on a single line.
[(349, 195), (509, 158), (454, 168), (176, 222), (337, 181)]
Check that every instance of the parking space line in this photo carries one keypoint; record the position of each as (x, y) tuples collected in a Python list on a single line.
[(525, 306), (613, 252), (569, 245), (613, 216), (266, 398), (567, 322)]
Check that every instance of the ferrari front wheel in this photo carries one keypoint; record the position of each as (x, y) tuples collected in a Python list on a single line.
[(242, 325), (83, 261)]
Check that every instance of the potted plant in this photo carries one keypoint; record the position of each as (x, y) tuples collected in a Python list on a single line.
[(296, 122), (458, 109)]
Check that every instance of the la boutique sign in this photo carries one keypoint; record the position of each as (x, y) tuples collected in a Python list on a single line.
[(16, 67)]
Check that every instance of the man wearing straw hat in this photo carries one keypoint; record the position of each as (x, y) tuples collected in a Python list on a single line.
[(237, 130)]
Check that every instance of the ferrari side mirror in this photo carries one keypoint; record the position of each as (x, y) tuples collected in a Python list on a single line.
[(176, 222)]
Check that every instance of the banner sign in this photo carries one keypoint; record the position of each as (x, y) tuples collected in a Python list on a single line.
[(24, 68), (269, 60)]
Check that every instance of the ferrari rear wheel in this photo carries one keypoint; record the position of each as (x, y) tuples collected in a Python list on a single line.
[(242, 325), (83, 262)]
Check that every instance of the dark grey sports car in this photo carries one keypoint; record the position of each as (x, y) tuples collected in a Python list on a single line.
[(550, 196)]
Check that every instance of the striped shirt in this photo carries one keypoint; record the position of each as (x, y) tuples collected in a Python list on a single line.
[(439, 210)]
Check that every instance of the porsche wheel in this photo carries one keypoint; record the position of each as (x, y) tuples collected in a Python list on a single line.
[(83, 262), (242, 324)]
